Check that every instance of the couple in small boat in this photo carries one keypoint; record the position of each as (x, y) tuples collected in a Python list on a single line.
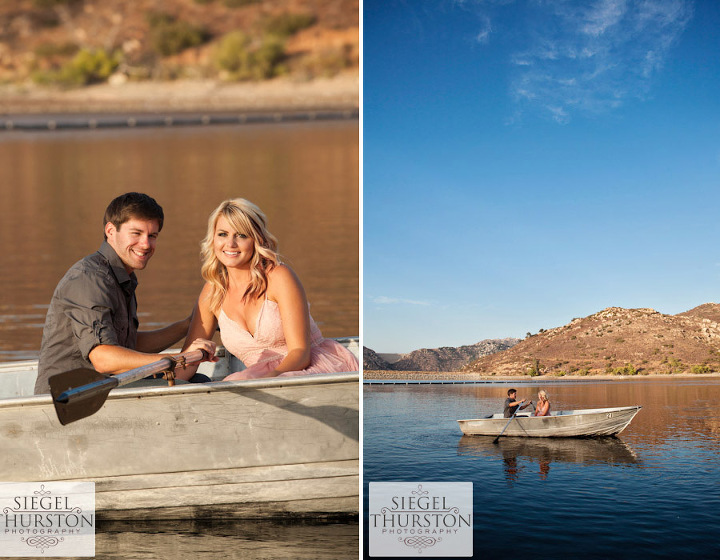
[(512, 405), (258, 302)]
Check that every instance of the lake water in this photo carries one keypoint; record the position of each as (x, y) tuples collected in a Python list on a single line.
[(652, 492), (55, 186)]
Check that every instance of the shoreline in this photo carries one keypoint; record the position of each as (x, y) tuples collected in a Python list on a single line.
[(380, 376), (281, 95)]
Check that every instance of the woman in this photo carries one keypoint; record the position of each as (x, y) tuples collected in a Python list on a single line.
[(258, 302), (543, 406)]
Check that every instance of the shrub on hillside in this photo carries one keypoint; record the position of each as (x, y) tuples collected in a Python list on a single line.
[(241, 58), (628, 369), (86, 67), (534, 369), (52, 3), (239, 3), (287, 24), (170, 36)]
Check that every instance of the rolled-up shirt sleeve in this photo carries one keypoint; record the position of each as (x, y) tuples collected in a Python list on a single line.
[(89, 305)]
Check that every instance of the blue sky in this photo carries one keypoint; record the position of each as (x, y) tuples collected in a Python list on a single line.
[(528, 162)]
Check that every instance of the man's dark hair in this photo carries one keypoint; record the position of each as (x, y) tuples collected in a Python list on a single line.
[(511, 391), (133, 205)]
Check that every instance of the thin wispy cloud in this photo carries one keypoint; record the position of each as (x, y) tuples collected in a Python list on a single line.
[(384, 300), (591, 57), (484, 30)]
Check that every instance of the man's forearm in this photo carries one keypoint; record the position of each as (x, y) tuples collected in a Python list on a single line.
[(111, 359)]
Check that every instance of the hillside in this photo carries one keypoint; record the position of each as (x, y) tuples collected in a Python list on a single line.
[(617, 341), (372, 361), (437, 359), (61, 46), (705, 311)]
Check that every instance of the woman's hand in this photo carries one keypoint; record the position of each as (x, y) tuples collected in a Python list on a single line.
[(208, 346)]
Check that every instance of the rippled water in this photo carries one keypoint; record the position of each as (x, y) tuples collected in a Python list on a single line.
[(653, 492)]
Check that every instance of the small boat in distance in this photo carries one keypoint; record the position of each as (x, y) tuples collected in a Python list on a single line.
[(593, 422)]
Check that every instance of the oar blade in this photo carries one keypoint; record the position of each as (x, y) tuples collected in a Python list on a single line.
[(89, 403)]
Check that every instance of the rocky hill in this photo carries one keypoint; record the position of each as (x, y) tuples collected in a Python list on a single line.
[(437, 359), (371, 361), (705, 311), (73, 43), (616, 341)]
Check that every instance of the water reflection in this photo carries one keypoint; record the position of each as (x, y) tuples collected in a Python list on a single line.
[(545, 451), (222, 540)]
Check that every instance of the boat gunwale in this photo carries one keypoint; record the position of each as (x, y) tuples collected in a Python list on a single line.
[(195, 388), (563, 414)]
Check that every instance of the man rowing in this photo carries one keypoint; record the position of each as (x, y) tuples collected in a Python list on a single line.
[(512, 405)]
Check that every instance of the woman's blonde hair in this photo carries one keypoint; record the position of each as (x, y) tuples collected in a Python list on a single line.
[(249, 220), (542, 394)]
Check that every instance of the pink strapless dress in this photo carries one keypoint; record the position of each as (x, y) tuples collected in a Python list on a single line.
[(264, 351)]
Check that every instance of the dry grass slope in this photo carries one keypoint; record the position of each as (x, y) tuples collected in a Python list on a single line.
[(98, 55), (157, 36), (616, 341)]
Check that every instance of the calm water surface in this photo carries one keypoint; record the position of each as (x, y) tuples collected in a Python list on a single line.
[(55, 186), (652, 492)]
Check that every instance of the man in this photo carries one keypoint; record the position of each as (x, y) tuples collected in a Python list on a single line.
[(512, 405), (92, 320)]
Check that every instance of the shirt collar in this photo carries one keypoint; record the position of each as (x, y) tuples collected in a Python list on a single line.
[(117, 265)]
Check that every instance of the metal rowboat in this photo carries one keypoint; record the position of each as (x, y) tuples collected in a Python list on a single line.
[(237, 449), (568, 423)]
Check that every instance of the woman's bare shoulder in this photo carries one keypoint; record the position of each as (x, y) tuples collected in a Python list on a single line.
[(282, 279), (283, 274)]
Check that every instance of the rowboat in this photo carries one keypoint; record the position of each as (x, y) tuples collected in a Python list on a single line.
[(568, 423), (260, 448)]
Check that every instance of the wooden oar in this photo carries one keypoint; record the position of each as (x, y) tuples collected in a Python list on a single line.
[(82, 392), (506, 425)]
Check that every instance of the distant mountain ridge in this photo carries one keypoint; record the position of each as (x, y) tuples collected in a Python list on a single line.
[(444, 359), (616, 341)]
